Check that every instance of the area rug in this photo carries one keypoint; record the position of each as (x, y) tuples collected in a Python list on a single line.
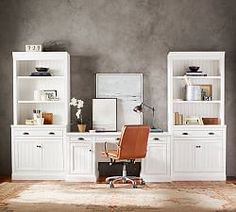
[(60, 196)]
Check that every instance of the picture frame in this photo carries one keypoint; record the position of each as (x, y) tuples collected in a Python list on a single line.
[(206, 91), (51, 95), (104, 114), (193, 121)]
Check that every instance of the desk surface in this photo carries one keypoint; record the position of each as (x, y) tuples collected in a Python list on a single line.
[(112, 134)]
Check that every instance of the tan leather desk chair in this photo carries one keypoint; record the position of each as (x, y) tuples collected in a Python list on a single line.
[(132, 145)]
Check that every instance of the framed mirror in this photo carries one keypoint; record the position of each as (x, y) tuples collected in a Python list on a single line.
[(104, 114)]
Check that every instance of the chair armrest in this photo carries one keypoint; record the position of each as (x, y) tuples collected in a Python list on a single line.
[(105, 147)]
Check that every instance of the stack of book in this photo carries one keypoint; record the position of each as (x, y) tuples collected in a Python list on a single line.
[(178, 118), (196, 73)]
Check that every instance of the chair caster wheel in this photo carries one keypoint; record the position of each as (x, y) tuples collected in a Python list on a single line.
[(142, 182), (111, 184)]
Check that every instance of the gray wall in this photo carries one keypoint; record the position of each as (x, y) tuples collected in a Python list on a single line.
[(118, 36)]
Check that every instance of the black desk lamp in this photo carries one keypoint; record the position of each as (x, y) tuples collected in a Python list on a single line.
[(139, 109)]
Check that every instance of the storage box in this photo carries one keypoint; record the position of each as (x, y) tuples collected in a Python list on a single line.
[(210, 121), (48, 118)]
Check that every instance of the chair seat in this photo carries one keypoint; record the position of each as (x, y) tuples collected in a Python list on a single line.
[(111, 154)]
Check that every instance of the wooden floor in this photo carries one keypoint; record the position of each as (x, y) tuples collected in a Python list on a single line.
[(231, 180)]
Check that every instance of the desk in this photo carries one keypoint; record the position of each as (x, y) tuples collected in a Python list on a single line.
[(83, 152)]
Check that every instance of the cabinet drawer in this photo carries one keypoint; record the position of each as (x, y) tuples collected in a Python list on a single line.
[(103, 139), (38, 133), (157, 139), (198, 133), (80, 138)]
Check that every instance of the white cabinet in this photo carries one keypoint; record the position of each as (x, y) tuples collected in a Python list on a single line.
[(38, 150), (81, 164), (156, 165), (81, 158), (199, 147), (27, 155), (209, 156), (52, 155), (37, 157), (199, 154)]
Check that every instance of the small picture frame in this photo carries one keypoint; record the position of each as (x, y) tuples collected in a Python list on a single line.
[(51, 95), (206, 92), (193, 121)]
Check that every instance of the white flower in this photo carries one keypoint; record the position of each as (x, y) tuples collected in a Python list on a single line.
[(73, 101), (78, 113), (80, 103)]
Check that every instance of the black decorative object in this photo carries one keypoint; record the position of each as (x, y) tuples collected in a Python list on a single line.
[(41, 69), (193, 68)]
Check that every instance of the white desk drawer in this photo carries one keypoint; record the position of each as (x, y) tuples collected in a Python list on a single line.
[(157, 139), (38, 133), (198, 133), (107, 138), (81, 138)]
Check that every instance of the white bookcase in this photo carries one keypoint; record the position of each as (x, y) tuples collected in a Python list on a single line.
[(38, 150), (24, 85), (198, 151)]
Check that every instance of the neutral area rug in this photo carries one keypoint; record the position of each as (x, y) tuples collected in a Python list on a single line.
[(61, 196)]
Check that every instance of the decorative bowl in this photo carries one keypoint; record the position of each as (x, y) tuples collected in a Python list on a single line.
[(41, 69), (193, 68)]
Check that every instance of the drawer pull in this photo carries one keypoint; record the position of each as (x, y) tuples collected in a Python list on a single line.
[(211, 133), (80, 139), (198, 146), (90, 150), (25, 133), (51, 133), (39, 146), (156, 139), (117, 139), (184, 133)]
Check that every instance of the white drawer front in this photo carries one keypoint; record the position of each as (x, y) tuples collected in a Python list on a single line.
[(38, 133), (157, 138), (107, 138), (198, 133), (81, 138)]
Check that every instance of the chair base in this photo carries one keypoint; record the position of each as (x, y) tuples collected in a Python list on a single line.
[(124, 179)]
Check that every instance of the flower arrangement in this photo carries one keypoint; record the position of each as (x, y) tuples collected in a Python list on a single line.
[(79, 104)]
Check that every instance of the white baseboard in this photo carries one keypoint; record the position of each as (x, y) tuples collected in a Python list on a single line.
[(155, 178), (79, 178), (38, 177), (198, 177)]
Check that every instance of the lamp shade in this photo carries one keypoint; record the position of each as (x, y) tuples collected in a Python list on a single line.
[(138, 108)]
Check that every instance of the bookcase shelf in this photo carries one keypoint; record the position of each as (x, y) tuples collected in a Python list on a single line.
[(24, 86), (210, 63)]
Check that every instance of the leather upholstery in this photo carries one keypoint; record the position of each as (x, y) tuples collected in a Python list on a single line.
[(132, 144)]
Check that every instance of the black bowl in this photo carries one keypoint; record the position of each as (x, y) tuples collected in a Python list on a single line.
[(193, 68), (41, 69)]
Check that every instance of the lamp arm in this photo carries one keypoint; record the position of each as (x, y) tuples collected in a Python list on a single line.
[(153, 112), (151, 108)]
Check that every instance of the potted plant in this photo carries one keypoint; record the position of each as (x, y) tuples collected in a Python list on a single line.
[(79, 104)]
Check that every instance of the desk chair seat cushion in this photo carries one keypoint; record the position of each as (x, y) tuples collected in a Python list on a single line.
[(111, 154)]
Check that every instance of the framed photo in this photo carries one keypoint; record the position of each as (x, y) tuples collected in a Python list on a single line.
[(206, 91), (51, 94), (104, 114), (193, 121)]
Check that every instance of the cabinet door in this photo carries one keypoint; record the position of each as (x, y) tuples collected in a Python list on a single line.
[(27, 155), (52, 155), (156, 159), (183, 156), (81, 158), (208, 156)]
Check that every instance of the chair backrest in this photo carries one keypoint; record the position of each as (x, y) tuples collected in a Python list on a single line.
[(133, 142)]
